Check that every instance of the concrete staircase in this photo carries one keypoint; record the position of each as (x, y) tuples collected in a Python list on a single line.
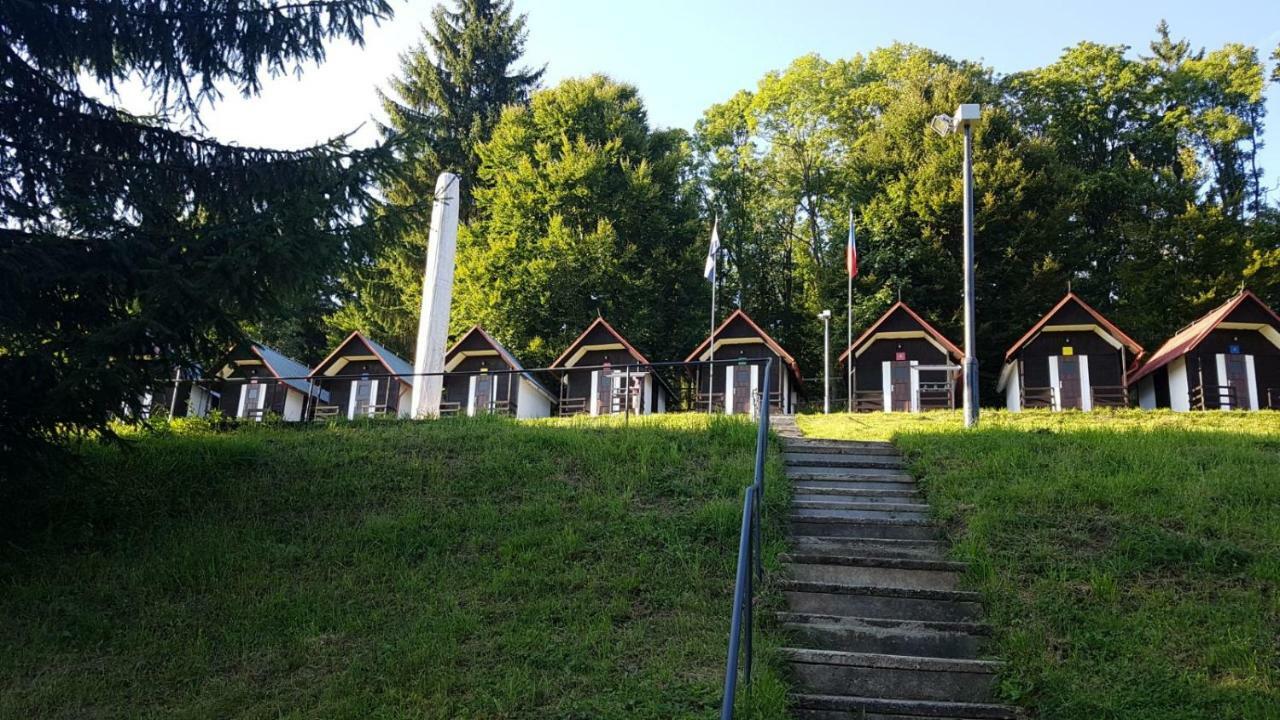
[(880, 628)]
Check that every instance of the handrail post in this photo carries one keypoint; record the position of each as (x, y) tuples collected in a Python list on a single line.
[(740, 586)]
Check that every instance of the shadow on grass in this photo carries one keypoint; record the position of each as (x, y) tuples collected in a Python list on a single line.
[(462, 568)]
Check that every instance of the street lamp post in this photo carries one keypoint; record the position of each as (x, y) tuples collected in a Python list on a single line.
[(966, 115), (825, 317)]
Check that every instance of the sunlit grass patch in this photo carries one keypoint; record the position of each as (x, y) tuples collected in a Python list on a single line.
[(1129, 559)]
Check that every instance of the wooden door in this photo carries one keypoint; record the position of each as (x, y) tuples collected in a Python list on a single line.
[(741, 389), (900, 385), (604, 391), (484, 393), (1238, 380), (1069, 382), (364, 396)]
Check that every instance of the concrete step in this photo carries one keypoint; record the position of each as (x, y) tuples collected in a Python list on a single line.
[(871, 575), (796, 459), (861, 560), (836, 447), (862, 494), (877, 635), (858, 514), (870, 547), (821, 522), (832, 672), (845, 707), (813, 472), (846, 502), (815, 484), (881, 602)]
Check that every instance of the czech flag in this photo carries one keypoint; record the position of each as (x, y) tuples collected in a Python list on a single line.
[(851, 252)]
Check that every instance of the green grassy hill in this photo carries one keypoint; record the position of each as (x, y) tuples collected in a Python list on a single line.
[(455, 569), (1130, 560)]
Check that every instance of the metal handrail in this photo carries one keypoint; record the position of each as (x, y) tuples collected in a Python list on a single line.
[(750, 553)]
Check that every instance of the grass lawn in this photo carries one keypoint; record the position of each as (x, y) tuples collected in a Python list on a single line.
[(455, 569), (1130, 560)]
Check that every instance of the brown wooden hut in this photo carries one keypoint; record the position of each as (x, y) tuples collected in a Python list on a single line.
[(363, 379), (903, 364), (613, 376), (1227, 360), (256, 380), (1072, 358), (474, 386), (734, 388)]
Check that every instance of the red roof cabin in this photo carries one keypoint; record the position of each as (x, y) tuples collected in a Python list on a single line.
[(735, 387), (477, 381), (363, 379), (1072, 358), (1227, 360), (903, 364), (595, 371)]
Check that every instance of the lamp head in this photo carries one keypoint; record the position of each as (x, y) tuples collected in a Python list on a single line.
[(941, 124), (825, 314)]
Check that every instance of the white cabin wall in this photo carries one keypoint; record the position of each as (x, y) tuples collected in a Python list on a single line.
[(1179, 389), (530, 403), (1013, 391), (292, 405), (1147, 393)]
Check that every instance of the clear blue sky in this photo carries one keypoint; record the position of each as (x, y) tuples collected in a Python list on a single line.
[(686, 55)]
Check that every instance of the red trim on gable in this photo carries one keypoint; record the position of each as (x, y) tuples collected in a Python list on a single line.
[(498, 347), (617, 335), (766, 337), (931, 330), (357, 334), (1186, 339), (1106, 325)]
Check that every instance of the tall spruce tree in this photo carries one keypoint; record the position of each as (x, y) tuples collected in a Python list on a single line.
[(128, 243), (449, 95)]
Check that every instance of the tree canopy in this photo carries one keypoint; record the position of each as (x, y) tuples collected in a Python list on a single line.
[(444, 103), (587, 210), (132, 244)]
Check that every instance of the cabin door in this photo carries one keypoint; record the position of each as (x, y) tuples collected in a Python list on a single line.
[(1237, 378), (900, 385), (482, 396), (1069, 382), (604, 390), (741, 389)]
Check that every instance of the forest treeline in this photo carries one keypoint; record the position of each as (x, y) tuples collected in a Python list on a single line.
[(1130, 175), (134, 246)]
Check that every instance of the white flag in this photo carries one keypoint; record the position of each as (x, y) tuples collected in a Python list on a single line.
[(709, 271)]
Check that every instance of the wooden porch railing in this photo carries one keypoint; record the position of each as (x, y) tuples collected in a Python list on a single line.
[(937, 396), (1203, 395), (1110, 396), (1037, 397), (868, 401)]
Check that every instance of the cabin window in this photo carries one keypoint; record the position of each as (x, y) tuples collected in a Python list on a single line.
[(364, 392)]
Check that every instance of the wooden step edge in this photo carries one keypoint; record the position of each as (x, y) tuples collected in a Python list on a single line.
[(833, 520)]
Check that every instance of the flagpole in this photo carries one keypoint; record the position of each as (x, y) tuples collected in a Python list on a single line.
[(711, 367), (848, 367)]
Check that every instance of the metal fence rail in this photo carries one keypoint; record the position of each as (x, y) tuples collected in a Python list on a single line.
[(750, 563)]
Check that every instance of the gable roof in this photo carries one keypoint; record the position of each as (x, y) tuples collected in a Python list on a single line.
[(389, 360), (285, 369), (599, 321), (768, 341), (924, 324), (506, 356), (1186, 339), (1102, 322)]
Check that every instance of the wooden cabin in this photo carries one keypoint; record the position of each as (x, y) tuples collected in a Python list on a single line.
[(1072, 358), (473, 387), (1227, 360), (186, 396), (256, 381), (607, 364), (363, 379), (903, 364), (734, 388)]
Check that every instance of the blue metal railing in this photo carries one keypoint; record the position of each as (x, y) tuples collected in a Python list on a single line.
[(750, 553)]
